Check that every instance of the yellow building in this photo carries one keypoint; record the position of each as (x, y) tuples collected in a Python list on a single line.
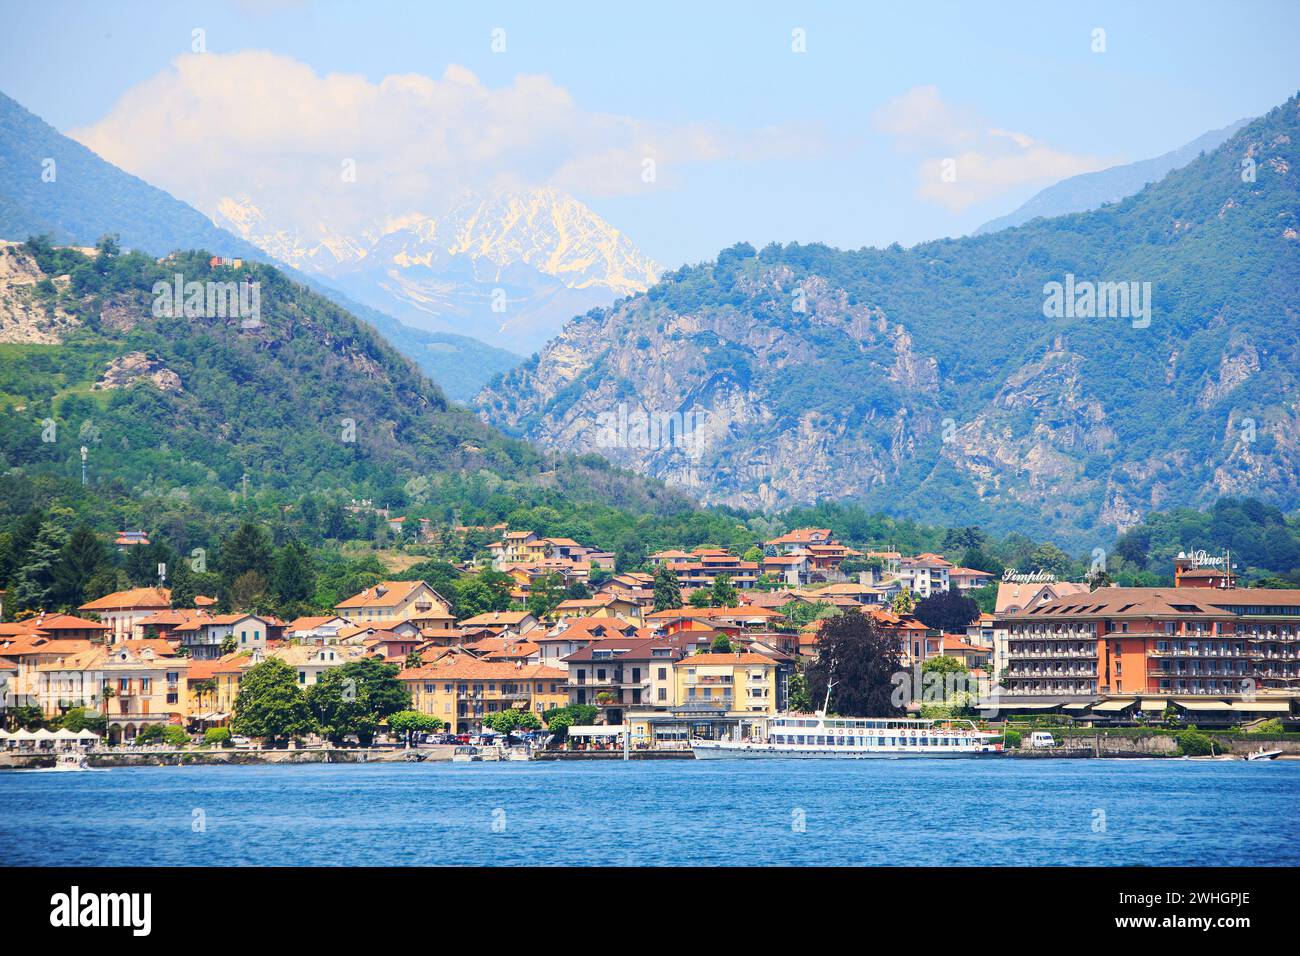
[(739, 683), (129, 683), (227, 675), (461, 691), (397, 601)]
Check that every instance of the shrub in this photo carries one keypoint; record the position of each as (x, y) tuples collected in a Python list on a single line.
[(150, 734), (1270, 727), (176, 736), (1193, 743), (217, 736), (1011, 739)]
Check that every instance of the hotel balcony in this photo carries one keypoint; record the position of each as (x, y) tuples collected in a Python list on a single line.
[(1013, 653), (609, 683), (1234, 672), (1051, 636), (1072, 687), (708, 682), (1199, 652), (138, 716)]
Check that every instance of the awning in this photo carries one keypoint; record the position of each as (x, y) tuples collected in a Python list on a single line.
[(596, 730), (1013, 705), (1203, 704), (1077, 706), (1150, 705), (1263, 706), (1112, 706)]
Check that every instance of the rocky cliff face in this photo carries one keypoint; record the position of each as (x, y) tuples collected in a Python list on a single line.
[(27, 313), (934, 381)]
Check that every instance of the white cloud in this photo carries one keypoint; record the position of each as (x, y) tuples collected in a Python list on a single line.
[(962, 159), (260, 124)]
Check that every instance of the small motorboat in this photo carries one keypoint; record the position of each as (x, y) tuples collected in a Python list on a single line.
[(71, 762), (465, 754), (1262, 754)]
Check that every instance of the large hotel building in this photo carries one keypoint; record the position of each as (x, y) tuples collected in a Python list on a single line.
[(1204, 636)]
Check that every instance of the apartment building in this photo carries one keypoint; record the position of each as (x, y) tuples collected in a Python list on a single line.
[(461, 691), (397, 601), (131, 686), (619, 673), (735, 683), (1147, 641), (123, 611)]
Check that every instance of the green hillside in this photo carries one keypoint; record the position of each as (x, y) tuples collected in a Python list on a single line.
[(929, 381), (176, 411)]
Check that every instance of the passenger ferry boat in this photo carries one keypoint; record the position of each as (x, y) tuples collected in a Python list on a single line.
[(801, 735)]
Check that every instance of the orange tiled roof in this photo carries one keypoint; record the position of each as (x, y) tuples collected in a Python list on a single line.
[(496, 619), (468, 668), (744, 657), (394, 592), (64, 622), (133, 598)]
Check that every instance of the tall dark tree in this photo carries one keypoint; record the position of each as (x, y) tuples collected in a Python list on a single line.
[(293, 580), (668, 593), (142, 561), (248, 549), (20, 541), (78, 562), (860, 660), (724, 592), (33, 586), (947, 611), (967, 538)]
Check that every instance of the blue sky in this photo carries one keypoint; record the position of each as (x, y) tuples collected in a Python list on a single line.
[(840, 144)]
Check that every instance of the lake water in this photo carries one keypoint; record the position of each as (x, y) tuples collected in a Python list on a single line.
[(876, 812)]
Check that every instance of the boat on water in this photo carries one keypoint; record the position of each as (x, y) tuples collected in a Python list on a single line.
[(466, 755), (71, 762), (853, 738), (1262, 754)]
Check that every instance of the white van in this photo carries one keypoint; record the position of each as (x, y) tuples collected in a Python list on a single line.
[(1040, 738)]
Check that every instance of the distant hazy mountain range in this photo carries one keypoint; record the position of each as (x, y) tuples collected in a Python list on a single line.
[(508, 269), (52, 184), (942, 383), (1093, 190)]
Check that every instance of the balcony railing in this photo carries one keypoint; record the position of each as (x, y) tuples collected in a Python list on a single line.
[(1036, 655), (706, 703)]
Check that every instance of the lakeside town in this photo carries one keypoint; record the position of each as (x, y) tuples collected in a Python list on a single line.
[(705, 644)]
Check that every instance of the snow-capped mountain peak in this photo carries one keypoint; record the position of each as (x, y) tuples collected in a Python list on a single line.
[(540, 255)]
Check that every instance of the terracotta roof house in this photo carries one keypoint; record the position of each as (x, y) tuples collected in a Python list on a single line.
[(397, 600), (123, 610), (67, 626)]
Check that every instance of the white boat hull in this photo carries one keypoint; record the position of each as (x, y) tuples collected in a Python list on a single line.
[(721, 749), (1264, 755)]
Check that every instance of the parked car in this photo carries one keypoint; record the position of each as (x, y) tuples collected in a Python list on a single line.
[(241, 741), (1041, 738)]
